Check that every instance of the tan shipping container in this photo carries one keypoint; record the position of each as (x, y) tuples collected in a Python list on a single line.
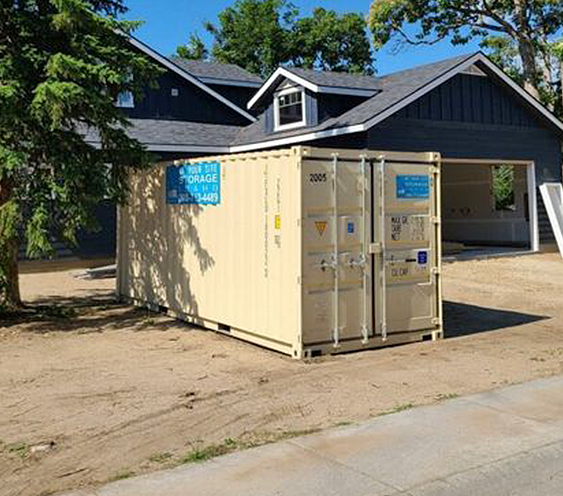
[(302, 250)]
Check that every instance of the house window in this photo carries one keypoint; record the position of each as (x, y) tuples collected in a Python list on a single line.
[(289, 109), (125, 100), (503, 188)]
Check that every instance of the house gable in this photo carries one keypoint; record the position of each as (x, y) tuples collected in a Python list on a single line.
[(397, 91), (475, 99), (178, 99), (179, 71)]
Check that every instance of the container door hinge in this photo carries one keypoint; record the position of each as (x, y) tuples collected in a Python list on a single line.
[(436, 220), (436, 270), (434, 170), (375, 248), (436, 321)]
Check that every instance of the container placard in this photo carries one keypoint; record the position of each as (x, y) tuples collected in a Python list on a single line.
[(413, 187), (196, 184)]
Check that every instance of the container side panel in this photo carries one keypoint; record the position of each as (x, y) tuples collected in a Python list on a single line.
[(234, 263)]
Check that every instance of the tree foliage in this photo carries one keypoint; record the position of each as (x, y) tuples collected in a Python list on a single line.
[(332, 42), (195, 49), (261, 35), (62, 65), (525, 28)]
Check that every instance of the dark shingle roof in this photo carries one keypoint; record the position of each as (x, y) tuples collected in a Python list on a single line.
[(336, 79), (154, 133), (208, 71), (393, 89)]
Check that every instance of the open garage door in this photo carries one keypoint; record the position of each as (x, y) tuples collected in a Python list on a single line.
[(488, 207), (552, 195)]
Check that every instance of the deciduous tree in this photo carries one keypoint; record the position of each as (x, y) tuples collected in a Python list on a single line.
[(527, 27), (333, 42), (261, 35)]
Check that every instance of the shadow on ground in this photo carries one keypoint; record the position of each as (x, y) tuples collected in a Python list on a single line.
[(461, 319), (91, 313)]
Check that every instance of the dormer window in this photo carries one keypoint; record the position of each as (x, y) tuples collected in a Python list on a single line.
[(289, 109)]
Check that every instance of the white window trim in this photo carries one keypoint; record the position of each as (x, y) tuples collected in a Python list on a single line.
[(293, 125)]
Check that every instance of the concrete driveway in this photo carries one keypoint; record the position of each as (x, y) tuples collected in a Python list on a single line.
[(505, 442)]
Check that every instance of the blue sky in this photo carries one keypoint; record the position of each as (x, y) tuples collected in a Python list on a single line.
[(168, 24)]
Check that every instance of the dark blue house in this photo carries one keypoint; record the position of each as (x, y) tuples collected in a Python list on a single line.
[(488, 130)]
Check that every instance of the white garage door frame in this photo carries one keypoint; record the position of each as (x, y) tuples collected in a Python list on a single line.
[(530, 183)]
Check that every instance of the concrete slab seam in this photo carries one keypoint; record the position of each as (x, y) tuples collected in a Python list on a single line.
[(343, 465), (508, 412), (445, 477)]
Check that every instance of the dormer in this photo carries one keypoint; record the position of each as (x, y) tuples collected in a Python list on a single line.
[(295, 98)]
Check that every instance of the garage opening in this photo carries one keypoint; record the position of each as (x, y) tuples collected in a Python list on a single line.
[(488, 208)]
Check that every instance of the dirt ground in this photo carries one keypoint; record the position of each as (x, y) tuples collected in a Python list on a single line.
[(112, 391)]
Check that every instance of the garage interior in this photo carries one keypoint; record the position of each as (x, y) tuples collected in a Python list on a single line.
[(488, 208)]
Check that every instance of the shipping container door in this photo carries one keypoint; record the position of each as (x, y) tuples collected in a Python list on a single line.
[(336, 238), (406, 255)]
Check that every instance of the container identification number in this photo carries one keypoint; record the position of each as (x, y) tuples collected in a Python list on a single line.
[(317, 177)]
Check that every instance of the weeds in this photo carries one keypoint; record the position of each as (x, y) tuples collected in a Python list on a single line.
[(160, 457), (229, 445), (445, 396), (125, 474), (343, 423), (19, 449), (211, 451), (397, 409), (56, 311)]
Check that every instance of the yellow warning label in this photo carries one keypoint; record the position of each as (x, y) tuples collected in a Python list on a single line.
[(277, 221), (321, 226)]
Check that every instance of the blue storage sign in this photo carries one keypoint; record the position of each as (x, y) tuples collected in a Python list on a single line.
[(197, 184), (422, 257), (413, 187)]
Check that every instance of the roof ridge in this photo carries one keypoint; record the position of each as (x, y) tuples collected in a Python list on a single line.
[(199, 61), (322, 71), (430, 64)]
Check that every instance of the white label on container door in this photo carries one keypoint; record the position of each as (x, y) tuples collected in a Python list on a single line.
[(408, 228)]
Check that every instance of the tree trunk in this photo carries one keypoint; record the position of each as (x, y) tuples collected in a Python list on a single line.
[(529, 68), (9, 246), (526, 49)]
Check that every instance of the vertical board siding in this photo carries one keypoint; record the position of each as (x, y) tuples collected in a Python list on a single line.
[(471, 141), (192, 104), (239, 95), (311, 110), (474, 117), (330, 106), (475, 99)]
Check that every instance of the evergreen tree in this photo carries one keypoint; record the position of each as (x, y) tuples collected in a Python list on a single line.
[(63, 64)]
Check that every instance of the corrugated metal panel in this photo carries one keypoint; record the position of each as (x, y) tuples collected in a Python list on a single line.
[(257, 264)]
